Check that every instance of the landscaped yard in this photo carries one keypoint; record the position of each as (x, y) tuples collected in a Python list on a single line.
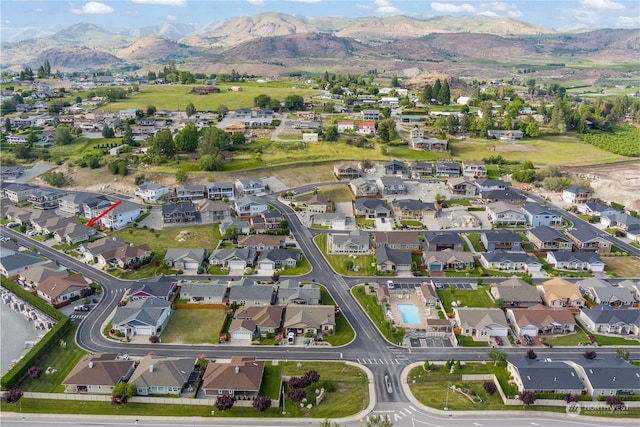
[(344, 332), (467, 298), (61, 357), (193, 326), (474, 238), (155, 267), (622, 266), (464, 341), (303, 267), (376, 314), (365, 264), (200, 236)]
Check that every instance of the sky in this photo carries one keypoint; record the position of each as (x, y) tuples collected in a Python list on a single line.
[(121, 14)]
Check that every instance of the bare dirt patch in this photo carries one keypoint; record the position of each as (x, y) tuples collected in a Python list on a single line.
[(623, 266), (514, 147)]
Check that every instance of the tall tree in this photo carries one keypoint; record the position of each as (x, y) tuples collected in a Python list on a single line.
[(127, 134), (294, 103), (163, 145), (187, 138), (63, 135), (213, 140), (444, 95), (498, 356), (190, 109), (394, 81), (436, 89), (261, 101)]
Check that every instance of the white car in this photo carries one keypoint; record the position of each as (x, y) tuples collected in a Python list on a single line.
[(390, 284), (32, 233), (291, 338)]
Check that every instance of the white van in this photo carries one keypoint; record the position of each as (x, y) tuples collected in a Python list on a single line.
[(390, 284)]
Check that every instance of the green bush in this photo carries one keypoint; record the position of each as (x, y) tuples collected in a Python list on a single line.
[(628, 398)]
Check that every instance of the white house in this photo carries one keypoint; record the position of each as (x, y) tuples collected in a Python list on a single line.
[(151, 192), (121, 216)]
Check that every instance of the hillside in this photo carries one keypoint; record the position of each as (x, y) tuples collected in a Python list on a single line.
[(154, 48)]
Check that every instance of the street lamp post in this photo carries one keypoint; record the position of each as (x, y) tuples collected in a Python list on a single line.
[(446, 402), (284, 412)]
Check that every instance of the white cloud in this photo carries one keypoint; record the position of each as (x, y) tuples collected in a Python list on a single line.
[(306, 1), (385, 7), (497, 6), (452, 8), (171, 18), (4, 22), (163, 2), (363, 6), (256, 2), (132, 12), (488, 13), (603, 4), (628, 21), (514, 13), (92, 8)]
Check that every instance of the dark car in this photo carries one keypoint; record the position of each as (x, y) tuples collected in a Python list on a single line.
[(499, 341), (528, 339)]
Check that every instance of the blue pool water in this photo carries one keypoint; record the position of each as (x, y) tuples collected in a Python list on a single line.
[(409, 314)]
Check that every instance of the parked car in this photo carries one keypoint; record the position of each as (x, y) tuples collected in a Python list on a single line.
[(499, 341), (390, 284), (32, 233), (291, 338), (528, 339), (13, 225), (81, 308), (592, 339)]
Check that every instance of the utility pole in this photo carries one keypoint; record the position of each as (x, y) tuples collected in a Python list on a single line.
[(446, 402), (284, 412)]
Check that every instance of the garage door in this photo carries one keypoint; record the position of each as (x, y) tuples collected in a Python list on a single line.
[(241, 335), (237, 265), (191, 265)]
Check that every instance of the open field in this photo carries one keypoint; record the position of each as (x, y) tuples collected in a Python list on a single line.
[(338, 193), (200, 236), (467, 298), (182, 326), (622, 266), (176, 97)]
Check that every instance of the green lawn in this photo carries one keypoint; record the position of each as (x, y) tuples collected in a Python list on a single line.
[(344, 333), (569, 340), (376, 314), (79, 148), (467, 298), (474, 238), (303, 267), (200, 236), (271, 381), (411, 223), (155, 267), (459, 202), (59, 358), (182, 329), (607, 340), (365, 223), (363, 262), (337, 193), (464, 341)]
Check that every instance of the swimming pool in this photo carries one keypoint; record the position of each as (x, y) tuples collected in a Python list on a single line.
[(409, 313)]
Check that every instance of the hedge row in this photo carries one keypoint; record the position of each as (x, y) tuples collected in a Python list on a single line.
[(627, 397), (19, 370), (35, 301), (560, 396)]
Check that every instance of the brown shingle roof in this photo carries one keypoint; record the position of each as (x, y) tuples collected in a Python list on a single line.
[(241, 374), (101, 369), (54, 286)]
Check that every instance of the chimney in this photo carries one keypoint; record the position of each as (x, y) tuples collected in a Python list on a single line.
[(151, 368), (237, 369), (90, 365)]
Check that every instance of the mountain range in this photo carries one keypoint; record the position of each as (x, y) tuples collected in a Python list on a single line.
[(276, 43)]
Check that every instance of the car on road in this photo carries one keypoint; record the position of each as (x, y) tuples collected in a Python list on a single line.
[(390, 284), (528, 339), (499, 341), (81, 308)]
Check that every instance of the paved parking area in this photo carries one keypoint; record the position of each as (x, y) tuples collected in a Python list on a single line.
[(437, 342)]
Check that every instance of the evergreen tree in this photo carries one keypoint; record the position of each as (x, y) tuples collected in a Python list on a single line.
[(190, 109), (444, 95), (127, 135), (394, 81), (436, 89)]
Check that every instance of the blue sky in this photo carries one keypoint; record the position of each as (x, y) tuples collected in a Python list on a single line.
[(113, 15)]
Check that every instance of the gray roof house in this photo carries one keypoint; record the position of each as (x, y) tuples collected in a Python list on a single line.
[(356, 242), (390, 260), (586, 240), (234, 258), (542, 375), (515, 261), (609, 320), (146, 316), (13, 264), (515, 292), (249, 205), (204, 293), (503, 213), (361, 187), (162, 375), (372, 208), (501, 240), (540, 215), (391, 185), (278, 258), (567, 260), (616, 297), (290, 291), (251, 294), (508, 196), (413, 209), (545, 238), (185, 258), (443, 241), (608, 376), (153, 289)]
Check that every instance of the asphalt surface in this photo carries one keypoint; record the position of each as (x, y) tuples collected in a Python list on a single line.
[(369, 347)]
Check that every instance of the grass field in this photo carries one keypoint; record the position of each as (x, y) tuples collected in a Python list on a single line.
[(467, 298), (79, 148), (61, 359), (474, 238), (338, 193), (362, 262), (201, 236), (622, 266), (176, 97), (183, 328), (376, 314)]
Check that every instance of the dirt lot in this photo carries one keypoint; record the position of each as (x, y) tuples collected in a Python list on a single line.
[(623, 266), (514, 147), (619, 182)]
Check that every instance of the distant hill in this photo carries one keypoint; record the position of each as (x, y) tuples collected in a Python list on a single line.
[(91, 36)]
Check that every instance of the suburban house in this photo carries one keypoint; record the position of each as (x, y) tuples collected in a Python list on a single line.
[(98, 374), (506, 261), (356, 242), (73, 203), (34, 275), (125, 256), (260, 320), (372, 208), (261, 242), (487, 184), (448, 260), (290, 291), (220, 190), (204, 293), (633, 286), (344, 126), (74, 233), (624, 222), (584, 239), (449, 169), (596, 209), (395, 167), (242, 376), (515, 292), (347, 170), (610, 376), (428, 294), (163, 290), (558, 292), (400, 240), (59, 290), (481, 323), (443, 241), (502, 213), (388, 260), (370, 114), (474, 169), (462, 186), (508, 196), (413, 209), (95, 205), (18, 192), (267, 220), (501, 240), (609, 320), (537, 215), (361, 187), (162, 375), (540, 319), (121, 216), (367, 128), (213, 211), (45, 198), (178, 213), (233, 258), (420, 169), (15, 263), (545, 238), (146, 316), (310, 319), (315, 203), (273, 259), (429, 144), (151, 192), (185, 258), (505, 135), (247, 293), (9, 173), (190, 192), (544, 376), (609, 295), (249, 186), (232, 224), (567, 260), (577, 194), (391, 185), (92, 250), (249, 205)]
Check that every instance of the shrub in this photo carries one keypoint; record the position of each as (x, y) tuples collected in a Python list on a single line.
[(35, 372), (531, 355), (568, 398), (615, 403), (13, 395), (528, 397), (490, 387), (154, 339), (262, 403), (296, 395), (225, 402)]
